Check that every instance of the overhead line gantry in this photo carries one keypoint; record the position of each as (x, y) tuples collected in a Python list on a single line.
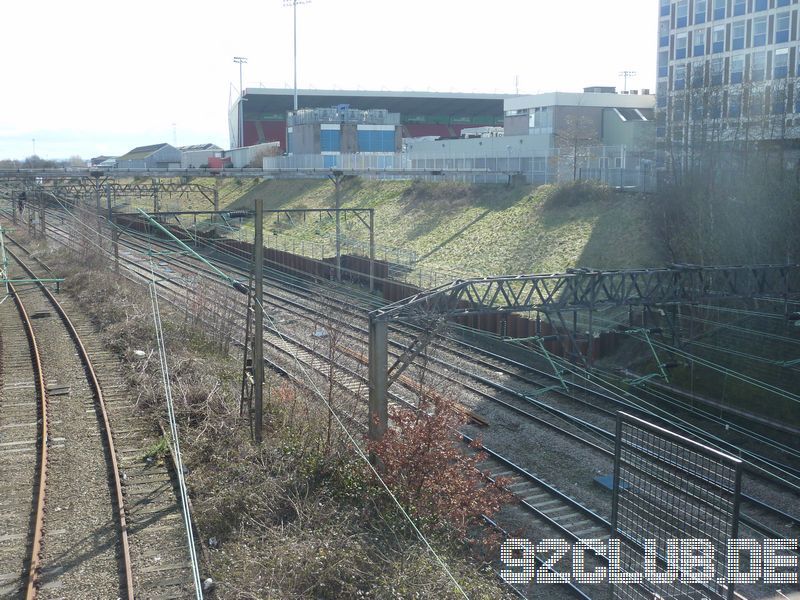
[(554, 294)]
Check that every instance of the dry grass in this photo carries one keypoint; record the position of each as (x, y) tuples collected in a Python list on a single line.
[(296, 517)]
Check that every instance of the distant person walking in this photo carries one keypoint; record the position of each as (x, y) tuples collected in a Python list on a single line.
[(21, 202)]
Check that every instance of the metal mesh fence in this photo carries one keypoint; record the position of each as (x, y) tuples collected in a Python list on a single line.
[(682, 495)]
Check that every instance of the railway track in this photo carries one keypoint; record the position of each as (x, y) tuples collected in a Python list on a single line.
[(548, 511), (551, 507), (106, 521), (521, 397)]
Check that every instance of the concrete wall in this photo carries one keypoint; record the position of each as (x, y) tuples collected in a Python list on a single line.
[(163, 157), (633, 134), (499, 147), (250, 156), (349, 138), (195, 159), (305, 138), (584, 123), (516, 125)]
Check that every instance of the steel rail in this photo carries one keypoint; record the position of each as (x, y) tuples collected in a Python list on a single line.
[(748, 521), (38, 528), (101, 406), (580, 423)]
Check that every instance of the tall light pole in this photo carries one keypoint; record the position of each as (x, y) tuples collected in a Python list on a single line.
[(293, 4), (240, 60), (625, 75)]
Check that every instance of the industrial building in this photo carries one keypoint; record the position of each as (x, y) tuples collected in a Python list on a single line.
[(333, 131), (557, 136), (727, 72), (155, 156), (264, 111), (597, 134)]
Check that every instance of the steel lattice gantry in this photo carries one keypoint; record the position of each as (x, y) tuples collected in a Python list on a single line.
[(81, 188), (554, 294)]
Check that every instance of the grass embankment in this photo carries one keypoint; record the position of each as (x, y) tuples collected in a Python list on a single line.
[(228, 190), (478, 229), (298, 516)]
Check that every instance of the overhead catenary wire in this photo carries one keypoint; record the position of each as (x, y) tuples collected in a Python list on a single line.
[(627, 394), (321, 396), (173, 425)]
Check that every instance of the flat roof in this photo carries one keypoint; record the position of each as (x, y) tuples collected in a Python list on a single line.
[(281, 100), (587, 99)]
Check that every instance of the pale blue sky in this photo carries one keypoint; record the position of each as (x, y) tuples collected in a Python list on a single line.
[(93, 78)]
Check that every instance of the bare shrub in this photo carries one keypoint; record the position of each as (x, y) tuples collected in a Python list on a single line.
[(431, 475)]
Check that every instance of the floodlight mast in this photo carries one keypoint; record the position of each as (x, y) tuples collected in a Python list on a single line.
[(625, 75), (240, 60), (293, 4)]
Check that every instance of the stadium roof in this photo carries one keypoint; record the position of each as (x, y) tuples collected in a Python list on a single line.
[(279, 100)]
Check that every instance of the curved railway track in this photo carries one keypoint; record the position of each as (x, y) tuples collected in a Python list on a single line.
[(52, 534), (97, 466), (553, 508)]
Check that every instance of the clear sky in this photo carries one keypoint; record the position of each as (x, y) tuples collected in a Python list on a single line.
[(92, 78)]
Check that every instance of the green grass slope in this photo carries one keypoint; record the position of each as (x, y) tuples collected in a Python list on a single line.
[(478, 229)]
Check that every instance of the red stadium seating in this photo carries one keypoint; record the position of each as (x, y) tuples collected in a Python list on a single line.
[(275, 131), (250, 134)]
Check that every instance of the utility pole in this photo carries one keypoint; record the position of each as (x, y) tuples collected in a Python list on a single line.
[(293, 4), (97, 212), (258, 339), (42, 206), (114, 232), (625, 75), (371, 250), (156, 206), (337, 182), (378, 380), (240, 60)]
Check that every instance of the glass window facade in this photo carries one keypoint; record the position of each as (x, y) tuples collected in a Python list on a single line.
[(681, 42), (779, 101), (698, 75), (716, 74), (663, 34), (678, 110), (738, 35), (718, 39), (737, 69), (759, 31), (682, 13), (727, 58), (699, 42), (755, 104), (700, 10), (735, 105), (781, 64), (783, 24), (758, 66), (679, 78), (663, 63)]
